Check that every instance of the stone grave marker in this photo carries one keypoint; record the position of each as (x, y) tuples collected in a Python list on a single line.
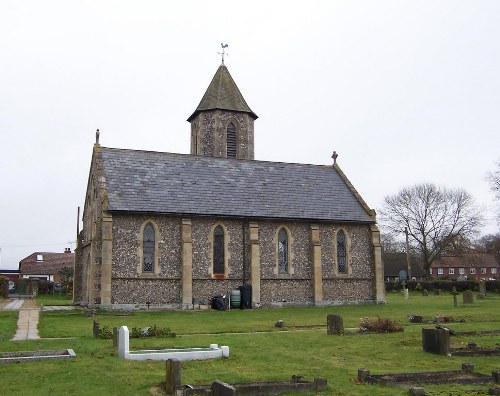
[(220, 388), (468, 297), (482, 287), (335, 325), (173, 375), (454, 293), (436, 341)]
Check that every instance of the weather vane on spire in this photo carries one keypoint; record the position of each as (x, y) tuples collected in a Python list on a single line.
[(224, 46)]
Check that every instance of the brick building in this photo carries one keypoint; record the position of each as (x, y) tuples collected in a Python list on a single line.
[(172, 230), (468, 266), (46, 265)]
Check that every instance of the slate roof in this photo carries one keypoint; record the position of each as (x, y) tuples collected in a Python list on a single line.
[(52, 263), (168, 183), (223, 94)]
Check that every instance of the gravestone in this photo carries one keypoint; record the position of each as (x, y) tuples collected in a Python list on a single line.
[(406, 294), (416, 391), (95, 329), (220, 388), (482, 287), (123, 342), (363, 375), (115, 338), (468, 297), (335, 325), (454, 293), (425, 293), (437, 292), (436, 341), (173, 375)]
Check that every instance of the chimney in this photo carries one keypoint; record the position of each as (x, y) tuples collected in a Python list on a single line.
[(67, 250)]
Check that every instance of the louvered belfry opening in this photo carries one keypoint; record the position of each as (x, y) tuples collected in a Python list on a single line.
[(231, 141)]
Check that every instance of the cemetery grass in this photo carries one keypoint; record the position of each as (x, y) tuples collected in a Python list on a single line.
[(54, 299), (258, 350)]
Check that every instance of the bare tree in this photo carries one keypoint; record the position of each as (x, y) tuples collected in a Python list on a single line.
[(436, 218), (494, 182)]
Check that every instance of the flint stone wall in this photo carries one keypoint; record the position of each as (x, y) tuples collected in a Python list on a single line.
[(296, 287), (156, 291), (127, 242), (348, 290)]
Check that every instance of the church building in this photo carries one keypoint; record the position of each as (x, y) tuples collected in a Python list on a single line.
[(167, 230)]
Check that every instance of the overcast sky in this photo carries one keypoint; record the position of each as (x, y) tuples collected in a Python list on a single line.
[(405, 91)]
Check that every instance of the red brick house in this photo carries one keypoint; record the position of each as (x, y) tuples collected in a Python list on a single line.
[(45, 265), (469, 266)]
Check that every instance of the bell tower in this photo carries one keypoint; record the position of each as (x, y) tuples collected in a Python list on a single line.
[(222, 124)]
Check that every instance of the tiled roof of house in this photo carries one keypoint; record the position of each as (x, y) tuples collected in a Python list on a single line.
[(223, 94), (50, 263), (468, 260), (395, 262), (155, 182)]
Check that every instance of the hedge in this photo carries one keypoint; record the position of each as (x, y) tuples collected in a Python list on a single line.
[(444, 285)]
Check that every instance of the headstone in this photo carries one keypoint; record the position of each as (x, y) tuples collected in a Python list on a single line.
[(436, 341), (496, 376), (437, 292), (320, 384), (173, 375), (468, 367), (95, 329), (225, 351), (481, 296), (220, 388), (416, 391), (454, 293), (425, 293), (115, 338), (296, 378), (482, 287), (335, 325), (123, 341), (468, 297), (363, 375), (406, 294), (416, 319), (494, 391)]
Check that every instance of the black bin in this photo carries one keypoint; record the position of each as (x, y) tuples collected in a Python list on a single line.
[(246, 296)]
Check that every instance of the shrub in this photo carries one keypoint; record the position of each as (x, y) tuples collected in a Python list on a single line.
[(381, 325), (105, 333)]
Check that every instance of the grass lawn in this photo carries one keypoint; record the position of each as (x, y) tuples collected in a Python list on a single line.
[(54, 299), (258, 350)]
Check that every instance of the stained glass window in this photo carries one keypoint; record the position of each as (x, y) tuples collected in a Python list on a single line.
[(218, 250), (282, 252), (341, 252), (148, 248), (231, 141)]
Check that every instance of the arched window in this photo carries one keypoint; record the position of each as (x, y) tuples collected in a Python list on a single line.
[(218, 251), (194, 139), (148, 248), (341, 252), (231, 140), (282, 251)]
